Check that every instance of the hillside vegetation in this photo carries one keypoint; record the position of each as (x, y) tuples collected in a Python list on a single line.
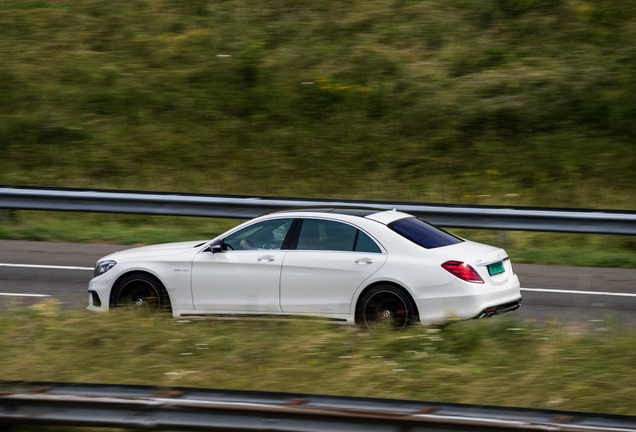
[(512, 102), (441, 100)]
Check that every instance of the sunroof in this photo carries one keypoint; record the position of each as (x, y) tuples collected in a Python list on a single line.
[(351, 211), (361, 212)]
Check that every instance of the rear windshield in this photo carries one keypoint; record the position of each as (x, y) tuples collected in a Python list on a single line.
[(423, 233)]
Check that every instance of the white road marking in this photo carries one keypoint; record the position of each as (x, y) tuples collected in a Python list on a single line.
[(546, 290), (578, 292), (38, 266), (41, 266)]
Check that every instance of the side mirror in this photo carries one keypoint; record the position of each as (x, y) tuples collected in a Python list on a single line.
[(216, 248)]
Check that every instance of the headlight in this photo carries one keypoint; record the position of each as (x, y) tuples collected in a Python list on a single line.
[(103, 266)]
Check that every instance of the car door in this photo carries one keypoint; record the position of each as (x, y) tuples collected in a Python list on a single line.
[(245, 275), (331, 260)]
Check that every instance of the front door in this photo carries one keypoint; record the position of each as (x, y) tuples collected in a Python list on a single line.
[(245, 275)]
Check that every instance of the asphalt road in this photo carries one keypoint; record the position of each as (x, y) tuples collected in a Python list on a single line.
[(34, 271)]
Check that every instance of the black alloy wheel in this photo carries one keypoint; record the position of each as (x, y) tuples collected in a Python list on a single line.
[(141, 292), (386, 307)]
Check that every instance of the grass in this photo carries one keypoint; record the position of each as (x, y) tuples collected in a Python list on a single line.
[(441, 101), (505, 103), (512, 103), (523, 247), (587, 369), (452, 101), (109, 228)]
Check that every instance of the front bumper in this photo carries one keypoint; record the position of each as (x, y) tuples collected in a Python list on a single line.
[(95, 303), (98, 294)]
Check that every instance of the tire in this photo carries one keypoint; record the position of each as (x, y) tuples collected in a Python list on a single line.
[(142, 292), (385, 307)]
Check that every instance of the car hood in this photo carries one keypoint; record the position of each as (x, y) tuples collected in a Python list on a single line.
[(164, 249)]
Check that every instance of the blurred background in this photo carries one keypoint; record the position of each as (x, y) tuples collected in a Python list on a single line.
[(493, 102), (506, 102)]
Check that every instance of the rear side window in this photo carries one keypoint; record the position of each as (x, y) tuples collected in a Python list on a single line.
[(423, 233), (318, 234), (365, 244)]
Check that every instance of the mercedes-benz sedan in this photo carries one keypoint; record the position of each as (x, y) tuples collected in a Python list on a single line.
[(356, 265)]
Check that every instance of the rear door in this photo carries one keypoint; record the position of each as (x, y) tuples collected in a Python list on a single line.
[(331, 260)]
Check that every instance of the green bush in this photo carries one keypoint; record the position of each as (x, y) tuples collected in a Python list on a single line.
[(396, 100)]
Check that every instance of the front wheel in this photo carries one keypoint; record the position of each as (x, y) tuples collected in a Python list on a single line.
[(385, 306), (140, 291)]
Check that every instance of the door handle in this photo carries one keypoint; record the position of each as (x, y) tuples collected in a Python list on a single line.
[(266, 258), (364, 261)]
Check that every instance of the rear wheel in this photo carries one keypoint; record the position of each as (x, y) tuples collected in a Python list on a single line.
[(385, 306), (141, 292)]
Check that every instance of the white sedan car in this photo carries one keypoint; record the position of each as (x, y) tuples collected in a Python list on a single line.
[(366, 266)]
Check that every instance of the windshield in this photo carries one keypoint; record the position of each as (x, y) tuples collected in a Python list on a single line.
[(423, 233)]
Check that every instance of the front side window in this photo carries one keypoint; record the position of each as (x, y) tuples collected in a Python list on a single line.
[(423, 233), (262, 235), (316, 234)]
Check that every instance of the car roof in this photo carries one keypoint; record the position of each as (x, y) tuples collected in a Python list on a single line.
[(351, 211), (379, 215)]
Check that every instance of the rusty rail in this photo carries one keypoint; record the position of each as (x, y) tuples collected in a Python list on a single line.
[(157, 408)]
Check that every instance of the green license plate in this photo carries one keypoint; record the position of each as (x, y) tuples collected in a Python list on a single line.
[(495, 268)]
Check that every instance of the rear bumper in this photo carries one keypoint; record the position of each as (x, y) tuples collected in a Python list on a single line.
[(459, 300), (499, 309)]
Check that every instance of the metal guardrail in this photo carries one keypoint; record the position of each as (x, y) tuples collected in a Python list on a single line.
[(157, 408), (245, 207)]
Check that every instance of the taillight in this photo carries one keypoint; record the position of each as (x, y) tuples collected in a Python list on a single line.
[(463, 271)]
